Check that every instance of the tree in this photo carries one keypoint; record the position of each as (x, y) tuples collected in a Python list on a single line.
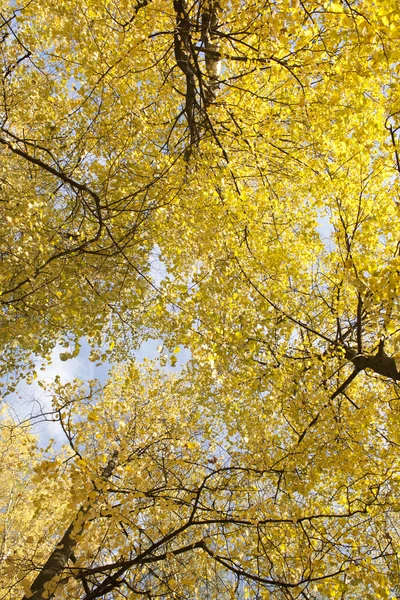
[(253, 148)]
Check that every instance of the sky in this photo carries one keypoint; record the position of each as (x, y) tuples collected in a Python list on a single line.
[(30, 400)]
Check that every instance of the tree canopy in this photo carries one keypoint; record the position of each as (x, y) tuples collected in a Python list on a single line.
[(250, 150)]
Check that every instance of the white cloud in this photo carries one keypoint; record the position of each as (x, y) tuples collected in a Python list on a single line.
[(31, 402)]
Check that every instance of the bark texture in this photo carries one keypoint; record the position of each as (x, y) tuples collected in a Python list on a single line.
[(62, 553), (379, 363)]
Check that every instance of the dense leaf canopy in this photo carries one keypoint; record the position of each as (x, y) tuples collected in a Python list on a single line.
[(223, 176)]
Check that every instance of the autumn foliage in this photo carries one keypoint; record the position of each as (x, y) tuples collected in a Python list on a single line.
[(222, 176)]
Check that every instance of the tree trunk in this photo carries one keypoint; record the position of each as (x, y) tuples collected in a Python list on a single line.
[(41, 587)]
